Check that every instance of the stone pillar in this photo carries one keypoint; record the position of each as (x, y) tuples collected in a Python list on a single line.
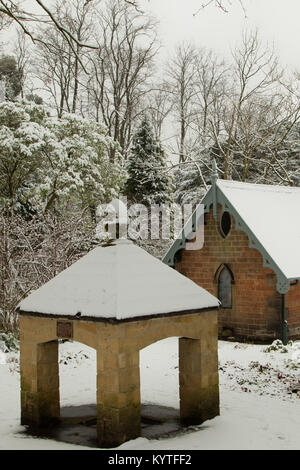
[(198, 380), (118, 395), (39, 383)]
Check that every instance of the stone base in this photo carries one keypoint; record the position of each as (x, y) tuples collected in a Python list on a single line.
[(118, 376)]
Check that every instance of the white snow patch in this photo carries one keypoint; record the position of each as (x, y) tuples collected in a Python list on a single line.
[(266, 416), (2, 357), (271, 213), (119, 281), (77, 374)]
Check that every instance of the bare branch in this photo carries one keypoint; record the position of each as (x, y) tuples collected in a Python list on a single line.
[(221, 4)]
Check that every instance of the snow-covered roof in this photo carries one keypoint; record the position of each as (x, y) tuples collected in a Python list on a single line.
[(119, 281), (272, 213)]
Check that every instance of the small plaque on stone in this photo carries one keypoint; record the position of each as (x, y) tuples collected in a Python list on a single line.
[(64, 329)]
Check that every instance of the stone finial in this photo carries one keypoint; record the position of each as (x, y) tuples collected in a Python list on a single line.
[(214, 172), (214, 178)]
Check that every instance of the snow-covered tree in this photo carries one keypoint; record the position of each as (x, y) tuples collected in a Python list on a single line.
[(269, 156), (189, 184), (80, 163), (148, 181), (44, 160), (11, 78), (33, 251)]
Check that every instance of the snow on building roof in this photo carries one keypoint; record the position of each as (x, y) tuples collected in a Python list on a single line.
[(119, 281), (272, 213), (268, 214)]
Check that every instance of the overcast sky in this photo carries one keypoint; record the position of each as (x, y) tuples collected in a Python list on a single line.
[(276, 20)]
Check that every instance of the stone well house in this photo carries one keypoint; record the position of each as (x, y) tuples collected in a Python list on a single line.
[(118, 299), (250, 258)]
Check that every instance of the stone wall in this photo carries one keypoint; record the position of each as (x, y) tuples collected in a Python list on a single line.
[(292, 303)]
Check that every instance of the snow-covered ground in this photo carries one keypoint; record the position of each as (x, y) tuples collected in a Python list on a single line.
[(259, 393)]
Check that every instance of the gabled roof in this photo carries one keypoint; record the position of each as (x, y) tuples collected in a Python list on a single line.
[(269, 215), (119, 281)]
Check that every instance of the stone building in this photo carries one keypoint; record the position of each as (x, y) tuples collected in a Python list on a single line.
[(250, 258), (118, 299)]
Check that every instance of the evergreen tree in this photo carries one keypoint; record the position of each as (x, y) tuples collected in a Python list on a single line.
[(148, 181), (11, 77)]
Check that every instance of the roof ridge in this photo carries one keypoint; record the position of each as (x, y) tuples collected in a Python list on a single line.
[(268, 187)]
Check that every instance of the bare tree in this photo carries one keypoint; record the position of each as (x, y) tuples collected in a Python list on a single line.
[(27, 16), (223, 5), (33, 251), (120, 69), (257, 76), (59, 63), (22, 54), (198, 89), (246, 116), (24, 17), (180, 71), (158, 106), (211, 90)]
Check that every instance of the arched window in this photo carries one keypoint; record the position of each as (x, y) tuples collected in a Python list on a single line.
[(225, 280), (225, 224)]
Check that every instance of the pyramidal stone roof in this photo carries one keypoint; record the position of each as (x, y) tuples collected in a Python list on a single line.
[(119, 281)]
